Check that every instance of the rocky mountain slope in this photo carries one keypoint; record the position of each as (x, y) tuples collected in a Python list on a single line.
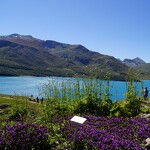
[(26, 55), (134, 62)]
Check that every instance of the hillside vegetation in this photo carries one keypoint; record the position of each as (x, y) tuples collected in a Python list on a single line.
[(26, 55)]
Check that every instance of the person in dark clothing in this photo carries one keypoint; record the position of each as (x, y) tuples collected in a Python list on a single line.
[(145, 93), (37, 100)]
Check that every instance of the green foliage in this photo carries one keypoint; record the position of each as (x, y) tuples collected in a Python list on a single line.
[(23, 110), (133, 102), (89, 96), (18, 111), (56, 136), (118, 110), (53, 109), (98, 100), (144, 71), (93, 106), (87, 106), (133, 105)]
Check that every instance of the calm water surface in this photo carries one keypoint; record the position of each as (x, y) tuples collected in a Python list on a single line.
[(30, 85)]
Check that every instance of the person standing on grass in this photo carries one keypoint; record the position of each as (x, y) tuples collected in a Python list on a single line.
[(37, 100), (145, 93)]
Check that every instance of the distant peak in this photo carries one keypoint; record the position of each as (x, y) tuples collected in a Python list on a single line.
[(133, 62), (15, 35), (138, 59)]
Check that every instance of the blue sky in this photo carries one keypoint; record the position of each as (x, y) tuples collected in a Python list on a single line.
[(119, 28)]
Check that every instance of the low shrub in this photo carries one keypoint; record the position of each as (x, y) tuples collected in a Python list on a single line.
[(24, 137), (53, 109), (109, 133), (92, 105)]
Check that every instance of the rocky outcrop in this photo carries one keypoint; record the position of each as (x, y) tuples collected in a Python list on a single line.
[(147, 145)]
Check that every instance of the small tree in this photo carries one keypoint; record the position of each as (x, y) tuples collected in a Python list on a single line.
[(133, 102)]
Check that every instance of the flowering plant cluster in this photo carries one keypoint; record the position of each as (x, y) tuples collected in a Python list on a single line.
[(24, 137), (110, 133)]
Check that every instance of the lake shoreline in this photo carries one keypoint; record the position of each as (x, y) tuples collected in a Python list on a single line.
[(31, 85)]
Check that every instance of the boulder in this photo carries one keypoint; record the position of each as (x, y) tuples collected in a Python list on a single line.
[(146, 116), (147, 145)]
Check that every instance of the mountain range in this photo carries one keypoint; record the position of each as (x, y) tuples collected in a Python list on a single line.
[(134, 62), (29, 56)]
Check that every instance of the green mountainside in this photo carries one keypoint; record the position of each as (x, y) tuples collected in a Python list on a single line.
[(26, 55), (144, 71)]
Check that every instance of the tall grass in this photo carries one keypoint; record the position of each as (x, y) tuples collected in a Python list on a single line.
[(72, 89), (68, 90)]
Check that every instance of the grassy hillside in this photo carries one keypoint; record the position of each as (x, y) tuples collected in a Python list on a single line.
[(144, 71), (25, 55)]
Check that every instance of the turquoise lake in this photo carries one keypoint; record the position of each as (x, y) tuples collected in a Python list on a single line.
[(26, 85)]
